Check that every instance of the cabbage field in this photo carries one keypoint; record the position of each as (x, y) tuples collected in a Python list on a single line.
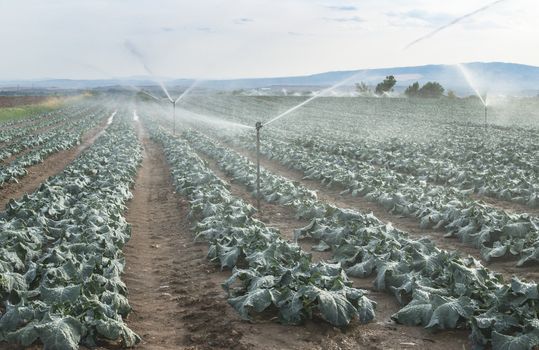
[(384, 223)]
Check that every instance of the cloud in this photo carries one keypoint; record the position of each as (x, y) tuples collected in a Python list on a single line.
[(419, 18), (342, 8), (205, 29), (167, 29), (355, 19), (299, 34), (243, 20)]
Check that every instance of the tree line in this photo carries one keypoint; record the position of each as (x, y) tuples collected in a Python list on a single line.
[(431, 89)]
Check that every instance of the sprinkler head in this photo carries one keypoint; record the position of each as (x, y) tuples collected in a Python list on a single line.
[(258, 125)]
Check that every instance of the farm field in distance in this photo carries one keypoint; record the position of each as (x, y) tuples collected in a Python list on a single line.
[(384, 223)]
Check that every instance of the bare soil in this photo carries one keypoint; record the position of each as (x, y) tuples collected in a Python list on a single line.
[(510, 207), (13, 101), (175, 294)]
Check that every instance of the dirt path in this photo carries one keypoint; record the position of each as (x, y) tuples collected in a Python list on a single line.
[(332, 195), (508, 206), (155, 217), (175, 293), (52, 165)]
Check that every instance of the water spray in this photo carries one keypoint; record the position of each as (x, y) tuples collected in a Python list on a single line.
[(147, 93), (259, 125), (134, 51), (312, 98), (173, 117), (471, 83), (452, 23)]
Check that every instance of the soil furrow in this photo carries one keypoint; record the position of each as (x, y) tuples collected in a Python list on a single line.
[(175, 293)]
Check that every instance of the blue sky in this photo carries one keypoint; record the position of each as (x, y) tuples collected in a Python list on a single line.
[(254, 38)]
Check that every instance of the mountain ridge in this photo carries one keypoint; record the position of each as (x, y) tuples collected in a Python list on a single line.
[(503, 77)]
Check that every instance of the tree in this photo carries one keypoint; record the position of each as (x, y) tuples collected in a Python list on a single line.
[(451, 94), (386, 85), (363, 89), (412, 90), (431, 90), (238, 92)]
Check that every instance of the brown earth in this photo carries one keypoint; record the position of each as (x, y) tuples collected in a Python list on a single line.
[(52, 165), (510, 207), (13, 101)]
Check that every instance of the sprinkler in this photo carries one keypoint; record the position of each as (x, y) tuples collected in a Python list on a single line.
[(173, 117), (173, 113), (486, 110), (258, 126)]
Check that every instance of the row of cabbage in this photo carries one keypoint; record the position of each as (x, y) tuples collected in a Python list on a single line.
[(495, 232), (9, 123), (12, 130), (438, 289), (61, 250), (495, 166), (268, 272), (414, 120), (63, 138), (45, 120), (41, 133), (423, 138)]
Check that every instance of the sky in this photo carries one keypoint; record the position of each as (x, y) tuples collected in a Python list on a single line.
[(221, 39)]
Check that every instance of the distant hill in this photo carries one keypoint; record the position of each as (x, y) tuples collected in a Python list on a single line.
[(492, 76)]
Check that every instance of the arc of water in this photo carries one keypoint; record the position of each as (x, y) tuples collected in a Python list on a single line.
[(147, 93), (320, 94), (470, 82), (133, 50), (187, 114), (452, 23), (191, 87)]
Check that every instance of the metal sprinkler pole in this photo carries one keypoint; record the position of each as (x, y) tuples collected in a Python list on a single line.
[(486, 109), (258, 126), (174, 116), (486, 116)]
